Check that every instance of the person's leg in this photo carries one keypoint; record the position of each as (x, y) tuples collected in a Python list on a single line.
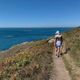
[(61, 50), (58, 51)]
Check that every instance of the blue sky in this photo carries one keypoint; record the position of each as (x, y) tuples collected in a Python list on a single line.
[(39, 13)]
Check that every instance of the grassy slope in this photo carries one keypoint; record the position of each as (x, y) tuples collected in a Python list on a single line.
[(30, 61), (72, 40)]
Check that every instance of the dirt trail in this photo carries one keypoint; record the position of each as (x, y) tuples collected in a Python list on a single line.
[(59, 70)]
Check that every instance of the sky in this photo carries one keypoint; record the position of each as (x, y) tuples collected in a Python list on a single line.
[(39, 13)]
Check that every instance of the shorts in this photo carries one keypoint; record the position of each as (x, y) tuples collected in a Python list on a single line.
[(58, 46)]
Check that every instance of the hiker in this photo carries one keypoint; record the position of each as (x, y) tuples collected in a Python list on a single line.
[(58, 43)]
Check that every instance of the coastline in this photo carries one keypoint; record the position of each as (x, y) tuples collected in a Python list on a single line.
[(21, 44), (26, 42), (13, 47), (18, 36), (12, 51)]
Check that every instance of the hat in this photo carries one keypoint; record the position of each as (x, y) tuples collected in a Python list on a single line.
[(57, 32)]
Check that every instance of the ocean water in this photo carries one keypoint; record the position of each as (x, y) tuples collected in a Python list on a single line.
[(13, 36)]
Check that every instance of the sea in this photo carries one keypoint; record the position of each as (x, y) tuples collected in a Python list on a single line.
[(13, 36)]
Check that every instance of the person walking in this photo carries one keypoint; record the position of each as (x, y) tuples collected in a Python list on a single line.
[(58, 40)]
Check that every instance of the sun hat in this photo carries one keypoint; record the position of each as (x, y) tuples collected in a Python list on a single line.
[(57, 33)]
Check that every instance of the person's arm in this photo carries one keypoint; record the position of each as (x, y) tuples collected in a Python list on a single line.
[(54, 41), (61, 39)]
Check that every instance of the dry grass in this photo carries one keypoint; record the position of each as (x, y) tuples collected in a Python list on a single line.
[(31, 61), (72, 40)]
